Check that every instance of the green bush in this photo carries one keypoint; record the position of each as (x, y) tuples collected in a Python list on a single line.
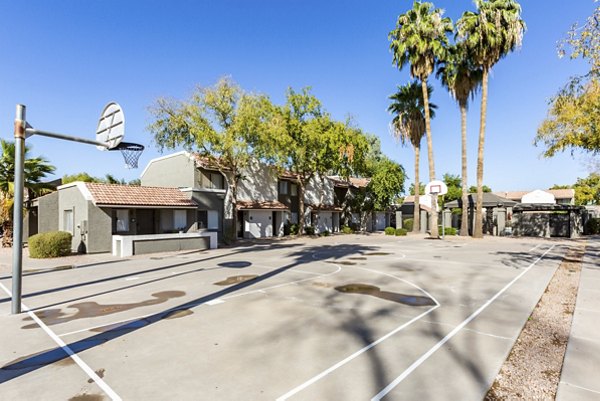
[(401, 231), (347, 230), (309, 230), (390, 231), (408, 224), (447, 231), (294, 229), (50, 245), (592, 226), (325, 233)]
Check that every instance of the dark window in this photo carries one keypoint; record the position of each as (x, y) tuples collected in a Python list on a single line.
[(283, 187), (202, 219)]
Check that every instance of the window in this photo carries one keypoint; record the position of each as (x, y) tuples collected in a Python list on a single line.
[(179, 219), (294, 218), (68, 220), (293, 190), (202, 219), (283, 187), (122, 220), (216, 180)]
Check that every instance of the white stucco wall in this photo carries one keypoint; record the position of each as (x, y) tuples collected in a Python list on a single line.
[(319, 192), (324, 222), (259, 183), (538, 196), (259, 224), (380, 220)]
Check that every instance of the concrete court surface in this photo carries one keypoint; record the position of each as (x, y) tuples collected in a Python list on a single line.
[(423, 320)]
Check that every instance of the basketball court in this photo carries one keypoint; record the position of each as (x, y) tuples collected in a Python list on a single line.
[(349, 317)]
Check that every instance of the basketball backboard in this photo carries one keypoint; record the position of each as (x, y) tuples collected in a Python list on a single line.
[(111, 126), (436, 188)]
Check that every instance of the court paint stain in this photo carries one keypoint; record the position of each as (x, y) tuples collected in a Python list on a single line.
[(99, 372), (377, 253), (358, 258), (176, 314), (236, 279), (92, 309), (87, 397), (341, 262), (366, 289)]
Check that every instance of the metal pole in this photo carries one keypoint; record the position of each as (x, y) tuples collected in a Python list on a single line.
[(31, 131), (443, 224), (20, 124)]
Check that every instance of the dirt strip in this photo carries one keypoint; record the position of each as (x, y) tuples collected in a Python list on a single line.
[(532, 370)]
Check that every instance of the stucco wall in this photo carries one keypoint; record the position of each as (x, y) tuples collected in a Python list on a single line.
[(48, 213), (259, 183), (99, 237), (259, 224), (324, 222), (71, 198), (174, 171), (319, 192)]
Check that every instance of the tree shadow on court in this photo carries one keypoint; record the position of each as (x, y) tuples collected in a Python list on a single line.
[(300, 257), (522, 259), (138, 272)]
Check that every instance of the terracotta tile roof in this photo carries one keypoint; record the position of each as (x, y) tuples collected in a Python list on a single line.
[(207, 162), (266, 205), (517, 195), (131, 195)]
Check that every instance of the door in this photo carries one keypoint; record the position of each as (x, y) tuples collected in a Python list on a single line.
[(145, 221)]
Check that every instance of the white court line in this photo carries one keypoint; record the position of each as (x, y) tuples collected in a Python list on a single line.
[(366, 348), (532, 249), (90, 372), (582, 388), (444, 340)]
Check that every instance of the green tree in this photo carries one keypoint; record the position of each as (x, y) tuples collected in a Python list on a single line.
[(462, 78), (584, 42), (420, 38), (587, 190), (408, 126), (484, 188), (411, 189), (35, 170), (489, 34), (220, 123), (83, 176), (454, 184), (387, 183)]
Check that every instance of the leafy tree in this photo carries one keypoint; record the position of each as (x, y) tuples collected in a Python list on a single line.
[(408, 108), (220, 123), (484, 188), (587, 190), (387, 183), (411, 189), (462, 78), (35, 170), (584, 42), (83, 176), (556, 186), (454, 184), (489, 34), (420, 38)]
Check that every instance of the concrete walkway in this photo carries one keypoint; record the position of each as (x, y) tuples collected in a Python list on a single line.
[(581, 369)]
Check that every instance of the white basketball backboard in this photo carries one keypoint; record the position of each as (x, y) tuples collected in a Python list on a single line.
[(111, 126), (436, 188)]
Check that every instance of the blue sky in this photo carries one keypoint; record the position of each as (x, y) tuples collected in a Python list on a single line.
[(65, 60)]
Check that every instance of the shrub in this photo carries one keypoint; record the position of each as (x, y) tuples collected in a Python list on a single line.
[(294, 229), (401, 231), (447, 230), (408, 224), (347, 230), (309, 230), (325, 233), (50, 245), (390, 231), (592, 226)]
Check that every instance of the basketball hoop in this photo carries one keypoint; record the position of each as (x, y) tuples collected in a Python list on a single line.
[(131, 153)]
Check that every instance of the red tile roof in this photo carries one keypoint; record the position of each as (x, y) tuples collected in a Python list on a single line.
[(326, 208), (353, 181), (266, 205), (517, 195), (131, 195)]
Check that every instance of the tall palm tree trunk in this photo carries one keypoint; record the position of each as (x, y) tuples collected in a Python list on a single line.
[(464, 225), (478, 229), (433, 220), (417, 212)]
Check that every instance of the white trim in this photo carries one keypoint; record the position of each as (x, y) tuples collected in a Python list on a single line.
[(183, 152), (82, 188), (196, 189), (131, 206)]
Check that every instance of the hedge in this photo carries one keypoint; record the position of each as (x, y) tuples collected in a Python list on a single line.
[(52, 244), (401, 231), (347, 230), (447, 231), (408, 224), (390, 231)]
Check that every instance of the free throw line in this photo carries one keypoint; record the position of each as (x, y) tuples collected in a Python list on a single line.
[(455, 331), (89, 371)]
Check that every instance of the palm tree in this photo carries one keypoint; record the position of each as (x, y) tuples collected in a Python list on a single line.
[(408, 125), (420, 38), (462, 79), (489, 34), (35, 170)]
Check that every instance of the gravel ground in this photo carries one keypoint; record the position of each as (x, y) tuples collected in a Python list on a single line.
[(532, 370)]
